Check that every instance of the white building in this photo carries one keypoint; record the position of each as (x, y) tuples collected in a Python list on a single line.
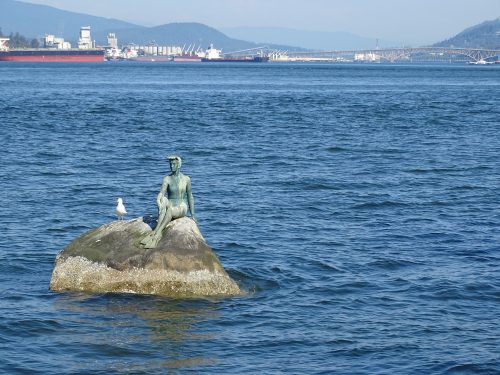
[(367, 57), (4, 44), (279, 56), (155, 50), (50, 41)]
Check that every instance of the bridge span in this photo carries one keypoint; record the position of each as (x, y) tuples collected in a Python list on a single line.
[(475, 55)]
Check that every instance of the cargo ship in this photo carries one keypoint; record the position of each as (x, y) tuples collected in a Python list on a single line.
[(150, 58), (238, 59), (189, 56), (52, 55), (55, 50), (186, 58), (215, 55)]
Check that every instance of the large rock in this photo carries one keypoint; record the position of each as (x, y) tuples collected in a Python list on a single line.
[(111, 259)]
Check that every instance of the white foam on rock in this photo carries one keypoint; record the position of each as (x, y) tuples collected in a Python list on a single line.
[(80, 274)]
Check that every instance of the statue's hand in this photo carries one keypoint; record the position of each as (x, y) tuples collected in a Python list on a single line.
[(163, 202)]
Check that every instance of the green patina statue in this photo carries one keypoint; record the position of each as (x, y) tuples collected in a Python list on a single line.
[(177, 186)]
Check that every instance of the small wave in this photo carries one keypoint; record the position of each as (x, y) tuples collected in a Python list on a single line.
[(14, 266), (336, 149), (471, 368), (32, 327), (468, 188), (432, 235), (391, 264), (453, 293), (479, 287), (446, 170), (10, 108), (325, 266), (47, 154), (379, 205), (202, 153), (352, 287), (340, 341), (391, 151), (252, 282), (432, 170), (105, 110), (414, 220), (318, 186), (237, 246), (440, 203), (359, 351), (55, 173)]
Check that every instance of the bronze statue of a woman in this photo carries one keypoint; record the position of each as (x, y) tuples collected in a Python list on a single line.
[(177, 187)]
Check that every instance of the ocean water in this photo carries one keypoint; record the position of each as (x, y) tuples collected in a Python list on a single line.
[(357, 205)]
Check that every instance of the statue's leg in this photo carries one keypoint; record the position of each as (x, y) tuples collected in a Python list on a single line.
[(152, 239), (166, 218), (162, 211), (167, 214), (179, 211)]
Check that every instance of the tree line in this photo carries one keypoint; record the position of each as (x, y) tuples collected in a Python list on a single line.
[(19, 41)]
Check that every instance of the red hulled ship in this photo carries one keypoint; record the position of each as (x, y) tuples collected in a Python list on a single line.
[(56, 50), (52, 55)]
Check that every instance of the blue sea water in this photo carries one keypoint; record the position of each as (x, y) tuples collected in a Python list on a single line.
[(358, 206)]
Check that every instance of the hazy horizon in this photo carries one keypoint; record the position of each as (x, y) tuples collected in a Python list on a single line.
[(412, 21)]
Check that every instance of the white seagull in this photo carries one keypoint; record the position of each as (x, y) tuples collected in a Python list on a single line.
[(120, 209)]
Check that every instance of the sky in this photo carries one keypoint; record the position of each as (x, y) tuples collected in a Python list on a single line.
[(411, 21)]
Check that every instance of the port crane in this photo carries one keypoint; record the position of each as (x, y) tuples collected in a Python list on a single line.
[(246, 51)]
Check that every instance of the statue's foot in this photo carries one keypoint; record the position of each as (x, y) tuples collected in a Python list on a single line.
[(149, 246), (150, 241), (145, 240)]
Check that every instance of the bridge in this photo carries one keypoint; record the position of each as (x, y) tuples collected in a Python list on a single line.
[(476, 55)]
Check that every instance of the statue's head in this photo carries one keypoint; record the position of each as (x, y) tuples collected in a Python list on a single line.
[(175, 162)]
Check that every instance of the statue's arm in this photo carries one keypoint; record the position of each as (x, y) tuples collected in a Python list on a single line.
[(190, 198), (162, 192)]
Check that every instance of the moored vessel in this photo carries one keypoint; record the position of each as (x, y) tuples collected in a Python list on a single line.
[(186, 58), (238, 59), (55, 50), (52, 55), (150, 58), (215, 55)]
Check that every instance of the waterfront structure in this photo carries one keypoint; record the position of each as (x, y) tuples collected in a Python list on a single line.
[(112, 40), (447, 54), (112, 52), (56, 50), (367, 57), (50, 41), (85, 41), (215, 55)]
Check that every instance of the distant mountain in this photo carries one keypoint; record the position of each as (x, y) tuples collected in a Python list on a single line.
[(485, 35), (34, 21), (315, 40)]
